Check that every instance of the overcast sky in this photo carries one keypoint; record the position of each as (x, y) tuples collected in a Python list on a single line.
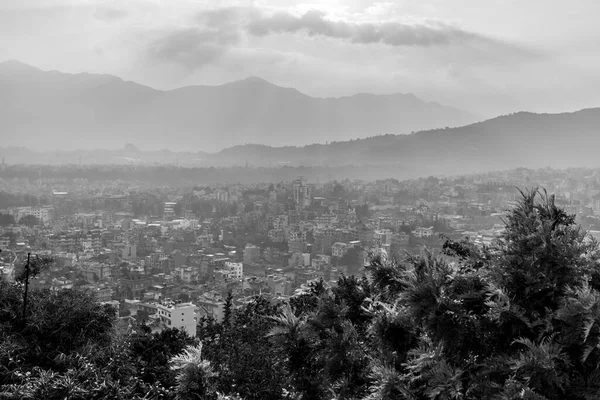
[(486, 56)]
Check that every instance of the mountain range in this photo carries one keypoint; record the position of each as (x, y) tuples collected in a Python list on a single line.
[(517, 140), (54, 110)]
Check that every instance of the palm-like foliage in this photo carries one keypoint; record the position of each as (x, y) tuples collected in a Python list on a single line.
[(580, 311), (194, 374), (543, 366), (388, 384), (289, 328), (541, 252), (392, 332), (294, 337)]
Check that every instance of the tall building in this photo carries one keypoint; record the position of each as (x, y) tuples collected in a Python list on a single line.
[(302, 192)]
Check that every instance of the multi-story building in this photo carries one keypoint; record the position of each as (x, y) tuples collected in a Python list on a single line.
[(422, 232), (339, 249), (169, 209), (179, 315), (65, 242), (302, 192), (382, 237), (236, 270), (280, 222), (326, 220), (96, 271), (211, 306), (129, 252), (42, 213)]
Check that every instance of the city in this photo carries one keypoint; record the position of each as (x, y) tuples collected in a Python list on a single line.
[(151, 252), (283, 200)]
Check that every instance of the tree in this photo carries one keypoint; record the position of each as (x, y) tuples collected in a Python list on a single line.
[(194, 375), (58, 322), (242, 354), (29, 220), (227, 309)]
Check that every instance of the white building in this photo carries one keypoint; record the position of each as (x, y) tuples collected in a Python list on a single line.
[(212, 306), (179, 315), (421, 232), (42, 214), (339, 249)]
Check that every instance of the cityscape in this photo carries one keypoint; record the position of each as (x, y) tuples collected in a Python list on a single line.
[(284, 200), (149, 252)]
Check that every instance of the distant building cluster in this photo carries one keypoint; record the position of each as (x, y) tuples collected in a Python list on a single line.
[(169, 257)]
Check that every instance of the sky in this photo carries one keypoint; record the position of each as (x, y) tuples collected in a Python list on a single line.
[(489, 57)]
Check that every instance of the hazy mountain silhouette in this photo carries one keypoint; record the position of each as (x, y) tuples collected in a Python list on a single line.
[(69, 111), (517, 140)]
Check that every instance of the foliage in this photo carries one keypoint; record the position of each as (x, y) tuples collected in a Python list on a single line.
[(29, 220)]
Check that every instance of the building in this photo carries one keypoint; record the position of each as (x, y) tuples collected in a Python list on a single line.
[(339, 249), (169, 209), (179, 315), (43, 213), (325, 220), (96, 271), (421, 232), (279, 285), (129, 252), (296, 246), (211, 306), (382, 237), (4, 242), (236, 270), (302, 192), (251, 254), (280, 222)]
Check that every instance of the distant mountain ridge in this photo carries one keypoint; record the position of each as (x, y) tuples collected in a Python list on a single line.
[(518, 140), (50, 109)]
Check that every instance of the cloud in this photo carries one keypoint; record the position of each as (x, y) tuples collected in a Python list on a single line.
[(212, 34), (192, 47), (315, 23)]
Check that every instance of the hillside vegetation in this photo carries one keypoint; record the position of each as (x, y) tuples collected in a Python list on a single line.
[(517, 320)]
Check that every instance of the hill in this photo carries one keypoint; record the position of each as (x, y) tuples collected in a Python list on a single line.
[(517, 140), (50, 109)]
